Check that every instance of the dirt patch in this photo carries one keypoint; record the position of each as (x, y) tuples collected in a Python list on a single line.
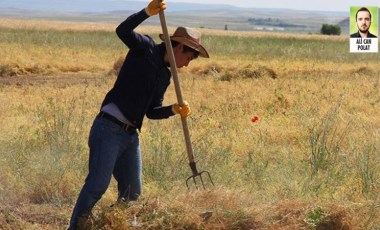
[(30, 216), (61, 80), (367, 71)]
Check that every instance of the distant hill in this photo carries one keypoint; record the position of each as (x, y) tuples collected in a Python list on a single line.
[(345, 25), (345, 22), (216, 16)]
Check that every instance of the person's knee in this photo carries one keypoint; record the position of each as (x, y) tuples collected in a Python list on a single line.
[(97, 193), (95, 190)]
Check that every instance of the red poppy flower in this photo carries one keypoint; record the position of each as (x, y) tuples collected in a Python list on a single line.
[(255, 118)]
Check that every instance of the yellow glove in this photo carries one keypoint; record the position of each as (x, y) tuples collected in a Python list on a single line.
[(155, 6), (183, 110)]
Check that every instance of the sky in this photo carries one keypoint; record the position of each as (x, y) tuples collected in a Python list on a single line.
[(324, 5), (315, 5)]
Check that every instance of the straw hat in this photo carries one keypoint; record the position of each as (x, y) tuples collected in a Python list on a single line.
[(189, 37)]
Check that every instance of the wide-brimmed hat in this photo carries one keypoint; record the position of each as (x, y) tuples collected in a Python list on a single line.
[(189, 37)]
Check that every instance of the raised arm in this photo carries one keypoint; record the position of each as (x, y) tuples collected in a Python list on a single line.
[(125, 31)]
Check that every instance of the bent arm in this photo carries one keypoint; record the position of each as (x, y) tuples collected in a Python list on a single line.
[(125, 30), (160, 112), (156, 110)]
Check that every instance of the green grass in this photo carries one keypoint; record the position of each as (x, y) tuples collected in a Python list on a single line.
[(266, 48), (269, 48), (56, 39)]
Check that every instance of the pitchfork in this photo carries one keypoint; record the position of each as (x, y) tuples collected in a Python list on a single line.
[(189, 148)]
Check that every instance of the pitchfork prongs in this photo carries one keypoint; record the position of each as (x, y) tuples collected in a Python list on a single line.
[(197, 174)]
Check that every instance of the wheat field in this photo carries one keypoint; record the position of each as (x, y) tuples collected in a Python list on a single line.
[(310, 161)]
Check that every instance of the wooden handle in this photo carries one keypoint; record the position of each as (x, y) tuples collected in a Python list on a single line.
[(173, 68)]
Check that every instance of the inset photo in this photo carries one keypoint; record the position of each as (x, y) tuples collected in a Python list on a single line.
[(364, 24)]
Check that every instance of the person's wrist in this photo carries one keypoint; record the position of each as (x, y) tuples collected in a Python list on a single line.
[(147, 11), (173, 109)]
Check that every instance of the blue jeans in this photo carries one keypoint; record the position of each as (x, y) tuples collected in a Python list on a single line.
[(113, 151)]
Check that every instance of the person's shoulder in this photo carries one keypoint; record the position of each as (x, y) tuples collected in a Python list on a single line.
[(148, 42), (149, 38), (371, 35), (355, 35)]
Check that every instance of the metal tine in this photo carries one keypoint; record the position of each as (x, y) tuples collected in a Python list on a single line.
[(195, 182), (209, 176), (200, 176), (201, 179)]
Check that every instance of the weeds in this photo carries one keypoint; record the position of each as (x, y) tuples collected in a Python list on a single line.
[(160, 151), (255, 168), (367, 169), (46, 158), (315, 217), (318, 218), (326, 141), (367, 166)]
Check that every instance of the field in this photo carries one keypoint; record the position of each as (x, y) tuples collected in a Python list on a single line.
[(311, 160)]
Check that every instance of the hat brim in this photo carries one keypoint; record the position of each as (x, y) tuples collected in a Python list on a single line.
[(198, 47)]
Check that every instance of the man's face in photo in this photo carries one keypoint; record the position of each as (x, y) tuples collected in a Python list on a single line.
[(363, 20)]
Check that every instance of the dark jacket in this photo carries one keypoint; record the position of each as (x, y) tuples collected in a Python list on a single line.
[(357, 35), (144, 77)]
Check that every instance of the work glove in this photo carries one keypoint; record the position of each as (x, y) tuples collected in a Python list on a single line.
[(155, 6), (183, 110)]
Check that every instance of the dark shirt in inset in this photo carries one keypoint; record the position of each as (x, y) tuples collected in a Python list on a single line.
[(357, 35)]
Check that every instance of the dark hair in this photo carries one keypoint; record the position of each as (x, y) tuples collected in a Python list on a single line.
[(363, 9), (186, 48)]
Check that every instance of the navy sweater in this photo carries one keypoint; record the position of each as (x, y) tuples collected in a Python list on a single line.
[(144, 77)]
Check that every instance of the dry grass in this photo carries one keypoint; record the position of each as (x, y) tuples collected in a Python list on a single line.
[(310, 162), (54, 25), (219, 208)]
